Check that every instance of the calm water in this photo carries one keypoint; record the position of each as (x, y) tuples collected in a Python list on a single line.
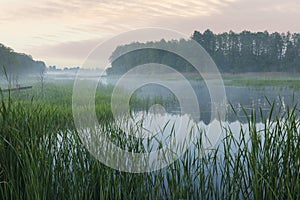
[(165, 118), (241, 99)]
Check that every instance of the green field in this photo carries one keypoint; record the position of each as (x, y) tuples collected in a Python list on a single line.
[(33, 166), (262, 81)]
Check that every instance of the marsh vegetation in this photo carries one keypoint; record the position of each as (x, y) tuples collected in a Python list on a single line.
[(42, 156)]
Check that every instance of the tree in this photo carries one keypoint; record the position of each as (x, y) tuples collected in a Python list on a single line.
[(232, 52), (18, 65)]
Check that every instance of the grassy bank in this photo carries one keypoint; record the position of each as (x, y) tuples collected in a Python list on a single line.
[(259, 164), (261, 81)]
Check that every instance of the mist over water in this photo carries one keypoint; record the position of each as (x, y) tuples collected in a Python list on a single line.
[(243, 101), (241, 98)]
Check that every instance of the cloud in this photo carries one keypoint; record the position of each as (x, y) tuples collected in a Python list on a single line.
[(35, 23), (115, 8), (49, 29), (67, 54), (254, 15)]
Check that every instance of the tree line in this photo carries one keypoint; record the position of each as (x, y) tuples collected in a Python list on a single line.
[(232, 52), (18, 65)]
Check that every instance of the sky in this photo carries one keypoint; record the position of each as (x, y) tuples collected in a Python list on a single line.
[(62, 33)]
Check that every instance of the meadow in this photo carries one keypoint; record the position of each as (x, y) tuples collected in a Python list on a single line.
[(265, 81), (42, 156)]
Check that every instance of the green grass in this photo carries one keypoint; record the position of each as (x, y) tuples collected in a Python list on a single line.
[(33, 166), (284, 82)]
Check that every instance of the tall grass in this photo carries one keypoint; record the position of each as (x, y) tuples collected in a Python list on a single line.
[(42, 157)]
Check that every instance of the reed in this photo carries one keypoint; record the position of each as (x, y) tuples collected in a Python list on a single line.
[(42, 156)]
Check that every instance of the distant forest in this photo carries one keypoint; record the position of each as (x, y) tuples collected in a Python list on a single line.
[(18, 65), (232, 52)]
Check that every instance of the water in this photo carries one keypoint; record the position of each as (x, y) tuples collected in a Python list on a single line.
[(240, 98), (165, 112), (241, 103), (165, 116), (164, 102)]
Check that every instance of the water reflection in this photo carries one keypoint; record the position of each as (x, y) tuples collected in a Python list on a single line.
[(240, 100), (162, 125)]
